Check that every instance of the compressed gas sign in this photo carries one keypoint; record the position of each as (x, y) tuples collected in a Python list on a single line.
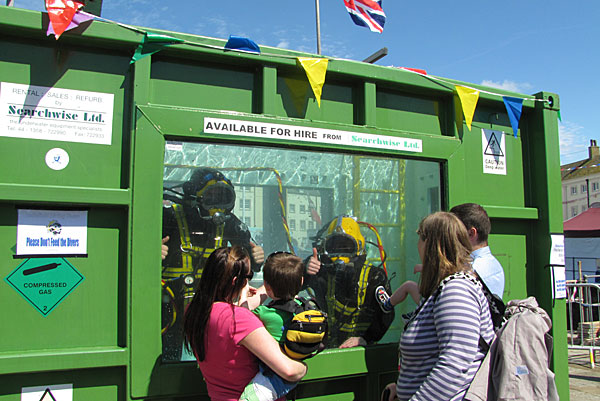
[(44, 282)]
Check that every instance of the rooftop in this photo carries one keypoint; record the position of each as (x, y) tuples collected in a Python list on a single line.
[(584, 167)]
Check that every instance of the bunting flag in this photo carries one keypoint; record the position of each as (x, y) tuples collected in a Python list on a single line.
[(559, 117), (315, 69), (298, 89), (240, 43), (60, 13), (152, 43), (468, 100), (79, 18), (514, 106), (367, 13), (417, 70)]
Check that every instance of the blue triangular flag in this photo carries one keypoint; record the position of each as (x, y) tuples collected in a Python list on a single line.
[(514, 106), (240, 43)]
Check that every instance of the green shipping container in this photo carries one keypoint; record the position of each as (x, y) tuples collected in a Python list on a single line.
[(95, 147)]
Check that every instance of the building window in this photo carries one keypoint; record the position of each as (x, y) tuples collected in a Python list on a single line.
[(573, 190), (583, 188), (574, 211), (595, 186), (311, 225), (302, 209), (303, 225), (248, 221), (247, 204), (292, 208), (292, 224)]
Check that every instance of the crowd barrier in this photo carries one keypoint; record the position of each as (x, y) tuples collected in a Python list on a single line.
[(583, 321)]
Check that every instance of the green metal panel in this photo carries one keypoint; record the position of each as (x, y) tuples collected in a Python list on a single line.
[(104, 337), (52, 65), (417, 114), (175, 83)]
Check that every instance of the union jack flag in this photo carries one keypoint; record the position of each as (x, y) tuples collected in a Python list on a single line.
[(367, 13)]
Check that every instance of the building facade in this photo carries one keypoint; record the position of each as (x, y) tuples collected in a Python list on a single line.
[(581, 183)]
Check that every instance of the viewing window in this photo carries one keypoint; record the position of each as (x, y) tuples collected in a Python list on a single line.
[(360, 212)]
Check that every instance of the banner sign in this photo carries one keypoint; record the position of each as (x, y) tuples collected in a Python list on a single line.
[(52, 232), (54, 114), (310, 134)]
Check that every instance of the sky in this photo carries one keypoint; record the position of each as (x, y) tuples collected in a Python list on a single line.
[(525, 46)]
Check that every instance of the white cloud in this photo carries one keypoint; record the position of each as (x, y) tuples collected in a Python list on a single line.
[(283, 43), (573, 142), (519, 87)]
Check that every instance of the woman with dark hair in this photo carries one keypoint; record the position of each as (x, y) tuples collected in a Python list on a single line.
[(227, 339), (439, 349)]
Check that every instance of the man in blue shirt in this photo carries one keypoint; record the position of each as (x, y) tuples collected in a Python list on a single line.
[(478, 225)]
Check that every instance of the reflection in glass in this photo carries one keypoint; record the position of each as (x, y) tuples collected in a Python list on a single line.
[(292, 200)]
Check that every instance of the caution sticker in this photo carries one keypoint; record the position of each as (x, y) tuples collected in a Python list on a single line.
[(52, 392), (494, 152)]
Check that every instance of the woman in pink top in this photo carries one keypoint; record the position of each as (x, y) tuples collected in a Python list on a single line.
[(228, 339)]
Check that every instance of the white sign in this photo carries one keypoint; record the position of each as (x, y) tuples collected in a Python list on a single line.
[(57, 159), (494, 152), (54, 114), (51, 232), (557, 253), (560, 282), (310, 134), (52, 392)]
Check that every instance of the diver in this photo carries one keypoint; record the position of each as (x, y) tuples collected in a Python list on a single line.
[(344, 284), (195, 224)]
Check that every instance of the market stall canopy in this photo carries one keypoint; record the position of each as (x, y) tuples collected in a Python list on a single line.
[(586, 224)]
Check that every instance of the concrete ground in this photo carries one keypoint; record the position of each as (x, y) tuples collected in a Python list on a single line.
[(584, 382)]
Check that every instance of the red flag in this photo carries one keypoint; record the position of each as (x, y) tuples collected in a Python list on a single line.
[(61, 14), (418, 70)]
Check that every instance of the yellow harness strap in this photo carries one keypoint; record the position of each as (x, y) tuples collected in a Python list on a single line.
[(345, 310), (188, 250)]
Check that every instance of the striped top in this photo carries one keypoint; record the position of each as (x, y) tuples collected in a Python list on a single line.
[(439, 348)]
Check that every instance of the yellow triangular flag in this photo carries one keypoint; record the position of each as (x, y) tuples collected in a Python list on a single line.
[(468, 100), (315, 69), (298, 88)]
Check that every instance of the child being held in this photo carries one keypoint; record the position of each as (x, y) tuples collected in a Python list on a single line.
[(387, 302), (283, 278)]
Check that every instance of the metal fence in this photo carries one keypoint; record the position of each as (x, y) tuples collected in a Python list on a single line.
[(578, 267), (583, 320)]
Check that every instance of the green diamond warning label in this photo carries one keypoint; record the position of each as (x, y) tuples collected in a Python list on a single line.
[(44, 282)]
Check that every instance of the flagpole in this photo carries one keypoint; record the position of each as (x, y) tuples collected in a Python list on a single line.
[(318, 27)]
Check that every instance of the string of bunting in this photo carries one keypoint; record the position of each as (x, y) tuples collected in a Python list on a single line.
[(579, 167), (65, 15), (469, 96)]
